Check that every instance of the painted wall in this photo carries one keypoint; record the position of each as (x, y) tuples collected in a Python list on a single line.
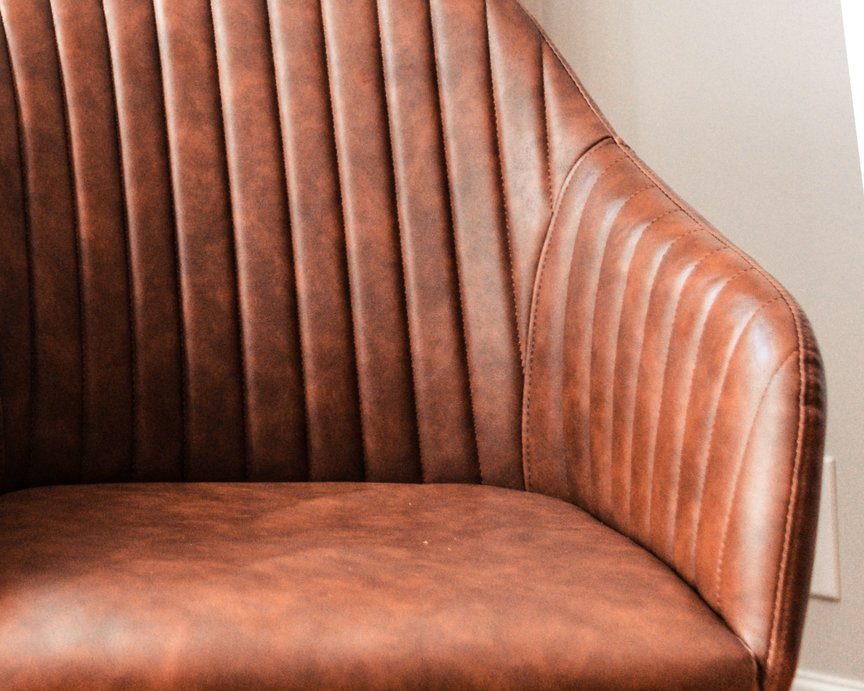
[(745, 109)]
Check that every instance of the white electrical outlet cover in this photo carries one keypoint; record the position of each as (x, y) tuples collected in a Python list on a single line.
[(826, 569)]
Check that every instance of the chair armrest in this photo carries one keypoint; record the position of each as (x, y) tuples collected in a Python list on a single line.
[(675, 391)]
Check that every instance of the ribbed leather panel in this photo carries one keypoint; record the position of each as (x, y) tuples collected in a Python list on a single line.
[(670, 386), (366, 239), (276, 240)]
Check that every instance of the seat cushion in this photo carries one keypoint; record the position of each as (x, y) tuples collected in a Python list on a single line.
[(341, 586)]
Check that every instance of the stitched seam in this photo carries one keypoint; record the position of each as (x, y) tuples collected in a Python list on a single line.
[(82, 324), (718, 574), (535, 304), (183, 355), (644, 232), (402, 241), (289, 246), (130, 302), (25, 200), (588, 376), (232, 241), (457, 262), (692, 374), (328, 67), (505, 212), (546, 128), (754, 662)]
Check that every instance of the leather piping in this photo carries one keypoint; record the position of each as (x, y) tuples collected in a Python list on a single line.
[(93, 217)]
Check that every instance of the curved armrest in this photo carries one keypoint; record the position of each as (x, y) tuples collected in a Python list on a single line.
[(675, 391)]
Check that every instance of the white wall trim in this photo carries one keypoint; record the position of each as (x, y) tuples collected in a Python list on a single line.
[(811, 681)]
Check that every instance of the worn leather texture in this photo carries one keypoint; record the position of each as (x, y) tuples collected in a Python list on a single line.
[(393, 241), (244, 586)]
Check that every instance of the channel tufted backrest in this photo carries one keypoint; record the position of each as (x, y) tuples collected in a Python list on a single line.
[(388, 240), (276, 240)]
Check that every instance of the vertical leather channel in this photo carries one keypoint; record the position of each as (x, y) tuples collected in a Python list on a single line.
[(54, 434), (267, 306), (324, 303), (273, 239), (433, 301), (158, 357), (103, 251), (361, 124), (215, 371), (483, 255)]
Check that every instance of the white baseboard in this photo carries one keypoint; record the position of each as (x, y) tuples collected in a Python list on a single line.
[(811, 681)]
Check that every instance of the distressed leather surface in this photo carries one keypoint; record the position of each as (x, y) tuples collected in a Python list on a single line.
[(341, 586), (394, 241)]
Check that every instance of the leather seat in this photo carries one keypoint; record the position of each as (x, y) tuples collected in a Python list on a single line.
[(341, 586), (382, 241)]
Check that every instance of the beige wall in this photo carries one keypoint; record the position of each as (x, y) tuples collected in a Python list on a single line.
[(745, 109)]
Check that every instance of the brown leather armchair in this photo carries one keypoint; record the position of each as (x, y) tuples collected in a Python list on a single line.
[(344, 345)]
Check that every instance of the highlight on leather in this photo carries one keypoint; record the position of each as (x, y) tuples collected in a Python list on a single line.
[(387, 240)]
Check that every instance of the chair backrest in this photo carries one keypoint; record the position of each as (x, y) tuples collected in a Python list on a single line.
[(273, 239), (302, 239)]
